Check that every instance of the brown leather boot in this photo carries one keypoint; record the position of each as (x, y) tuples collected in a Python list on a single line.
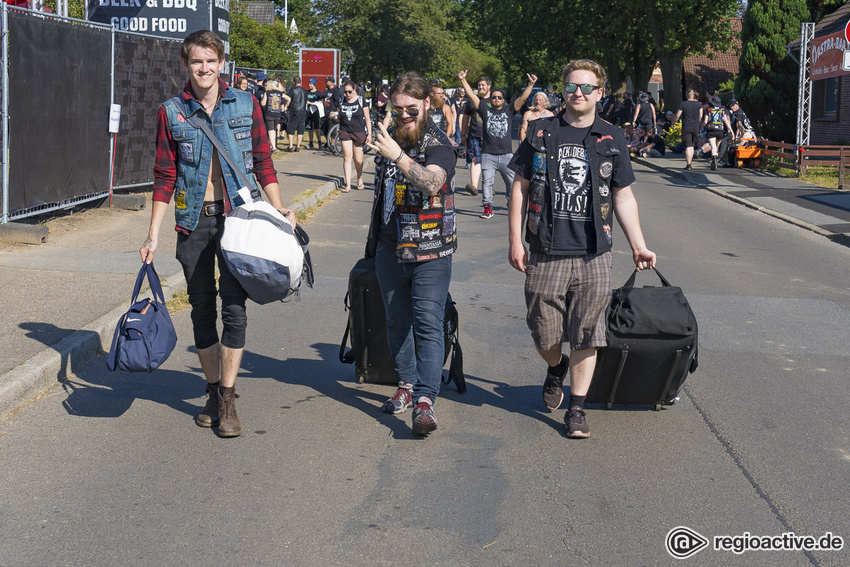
[(209, 415), (229, 424)]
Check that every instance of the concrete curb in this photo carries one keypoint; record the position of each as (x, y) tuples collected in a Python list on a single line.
[(57, 362), (837, 237)]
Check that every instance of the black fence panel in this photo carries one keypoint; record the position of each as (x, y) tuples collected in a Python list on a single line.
[(59, 98), (147, 73)]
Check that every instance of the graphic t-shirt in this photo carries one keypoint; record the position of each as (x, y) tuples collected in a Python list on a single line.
[(496, 139), (351, 117), (438, 118), (274, 102), (571, 199), (314, 96)]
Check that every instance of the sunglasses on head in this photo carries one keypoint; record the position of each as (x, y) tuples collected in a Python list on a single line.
[(399, 112), (586, 88)]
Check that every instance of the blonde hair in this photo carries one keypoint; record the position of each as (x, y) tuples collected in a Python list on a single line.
[(585, 65)]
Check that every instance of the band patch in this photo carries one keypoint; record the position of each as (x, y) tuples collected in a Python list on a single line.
[(187, 151), (244, 135)]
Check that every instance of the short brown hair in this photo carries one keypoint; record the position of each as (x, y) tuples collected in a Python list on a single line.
[(585, 65), (411, 84), (205, 39)]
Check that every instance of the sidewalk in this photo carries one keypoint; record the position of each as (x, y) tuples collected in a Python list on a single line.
[(823, 211), (61, 300)]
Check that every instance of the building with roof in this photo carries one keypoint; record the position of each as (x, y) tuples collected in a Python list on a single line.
[(705, 73)]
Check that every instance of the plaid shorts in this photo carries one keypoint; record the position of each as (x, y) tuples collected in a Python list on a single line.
[(566, 298), (473, 150)]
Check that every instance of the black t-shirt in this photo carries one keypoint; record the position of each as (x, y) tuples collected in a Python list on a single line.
[(476, 126), (395, 185), (314, 96), (573, 231), (497, 128), (438, 118), (351, 117), (658, 142), (333, 97), (690, 115)]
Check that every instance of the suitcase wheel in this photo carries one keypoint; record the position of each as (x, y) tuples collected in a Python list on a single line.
[(657, 407)]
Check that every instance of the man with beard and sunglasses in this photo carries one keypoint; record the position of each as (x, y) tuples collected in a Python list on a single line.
[(572, 173), (496, 147), (412, 238)]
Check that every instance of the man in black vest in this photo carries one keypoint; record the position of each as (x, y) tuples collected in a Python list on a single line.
[(572, 175), (297, 114), (412, 237)]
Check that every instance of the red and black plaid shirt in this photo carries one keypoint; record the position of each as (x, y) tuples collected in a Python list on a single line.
[(165, 169)]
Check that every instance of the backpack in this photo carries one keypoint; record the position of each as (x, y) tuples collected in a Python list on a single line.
[(715, 119)]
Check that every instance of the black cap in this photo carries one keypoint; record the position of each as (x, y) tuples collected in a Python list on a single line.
[(329, 79)]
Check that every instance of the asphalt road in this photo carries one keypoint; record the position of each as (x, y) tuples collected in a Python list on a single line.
[(109, 469)]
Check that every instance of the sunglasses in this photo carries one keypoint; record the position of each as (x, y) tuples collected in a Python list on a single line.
[(497, 97), (586, 88), (349, 92), (399, 112)]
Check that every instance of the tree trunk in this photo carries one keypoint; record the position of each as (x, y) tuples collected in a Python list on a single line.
[(640, 61), (672, 67), (616, 79)]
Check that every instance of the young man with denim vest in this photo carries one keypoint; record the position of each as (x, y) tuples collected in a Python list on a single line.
[(572, 174), (205, 188), (412, 237)]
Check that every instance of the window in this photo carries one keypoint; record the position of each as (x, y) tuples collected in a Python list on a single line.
[(826, 97)]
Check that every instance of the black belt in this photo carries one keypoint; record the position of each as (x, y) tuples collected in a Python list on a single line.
[(213, 208)]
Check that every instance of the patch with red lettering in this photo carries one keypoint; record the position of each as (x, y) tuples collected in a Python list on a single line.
[(605, 137)]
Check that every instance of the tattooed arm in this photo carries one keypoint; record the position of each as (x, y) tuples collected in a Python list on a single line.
[(429, 179)]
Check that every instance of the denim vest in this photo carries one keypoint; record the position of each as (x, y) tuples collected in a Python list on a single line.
[(231, 122), (601, 148)]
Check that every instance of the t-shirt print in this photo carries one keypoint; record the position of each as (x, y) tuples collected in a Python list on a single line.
[(570, 199)]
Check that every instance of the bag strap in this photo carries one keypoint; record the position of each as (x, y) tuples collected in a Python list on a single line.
[(243, 213), (630, 283), (346, 357), (156, 286), (222, 151), (304, 241)]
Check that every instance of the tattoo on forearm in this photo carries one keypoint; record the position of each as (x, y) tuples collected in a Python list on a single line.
[(425, 180), (147, 243)]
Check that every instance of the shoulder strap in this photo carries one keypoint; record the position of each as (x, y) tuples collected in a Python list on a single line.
[(191, 119)]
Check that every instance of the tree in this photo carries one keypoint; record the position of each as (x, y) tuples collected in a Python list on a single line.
[(767, 78), (687, 27), (261, 46)]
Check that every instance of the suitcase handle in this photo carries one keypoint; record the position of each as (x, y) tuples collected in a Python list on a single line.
[(630, 283)]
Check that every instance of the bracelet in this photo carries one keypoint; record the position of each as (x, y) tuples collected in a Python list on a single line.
[(398, 159)]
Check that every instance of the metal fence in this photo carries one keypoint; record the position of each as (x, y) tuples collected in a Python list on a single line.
[(60, 78)]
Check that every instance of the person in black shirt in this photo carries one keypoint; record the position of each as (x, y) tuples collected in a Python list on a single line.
[(355, 129), (573, 175), (297, 114), (690, 111), (497, 147), (315, 112), (272, 103), (644, 115)]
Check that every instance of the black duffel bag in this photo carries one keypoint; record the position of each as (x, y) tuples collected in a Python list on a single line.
[(652, 346)]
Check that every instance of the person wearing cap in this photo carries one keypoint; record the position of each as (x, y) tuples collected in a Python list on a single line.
[(644, 115), (716, 123), (315, 99)]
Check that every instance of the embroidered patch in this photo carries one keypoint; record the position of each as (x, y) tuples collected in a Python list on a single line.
[(244, 135), (248, 158), (603, 190), (180, 200), (436, 202), (606, 137), (606, 168), (180, 118), (539, 162), (605, 208), (187, 151), (400, 188), (607, 229)]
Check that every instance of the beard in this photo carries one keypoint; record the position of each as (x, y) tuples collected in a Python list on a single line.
[(409, 138), (436, 102)]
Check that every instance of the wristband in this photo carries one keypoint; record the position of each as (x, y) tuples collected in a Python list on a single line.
[(398, 159)]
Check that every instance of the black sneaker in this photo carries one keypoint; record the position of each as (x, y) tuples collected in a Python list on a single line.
[(688, 166), (713, 163), (553, 390), (488, 212), (471, 189), (424, 420), (576, 424), (402, 400)]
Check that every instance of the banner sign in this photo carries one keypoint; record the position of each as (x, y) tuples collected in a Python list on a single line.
[(318, 63), (827, 56), (174, 19)]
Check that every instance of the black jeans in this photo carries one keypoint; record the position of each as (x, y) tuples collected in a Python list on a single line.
[(197, 252)]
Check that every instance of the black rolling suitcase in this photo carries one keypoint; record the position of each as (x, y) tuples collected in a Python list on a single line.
[(367, 329), (652, 346)]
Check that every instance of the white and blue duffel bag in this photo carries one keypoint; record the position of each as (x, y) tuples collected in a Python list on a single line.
[(266, 255)]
